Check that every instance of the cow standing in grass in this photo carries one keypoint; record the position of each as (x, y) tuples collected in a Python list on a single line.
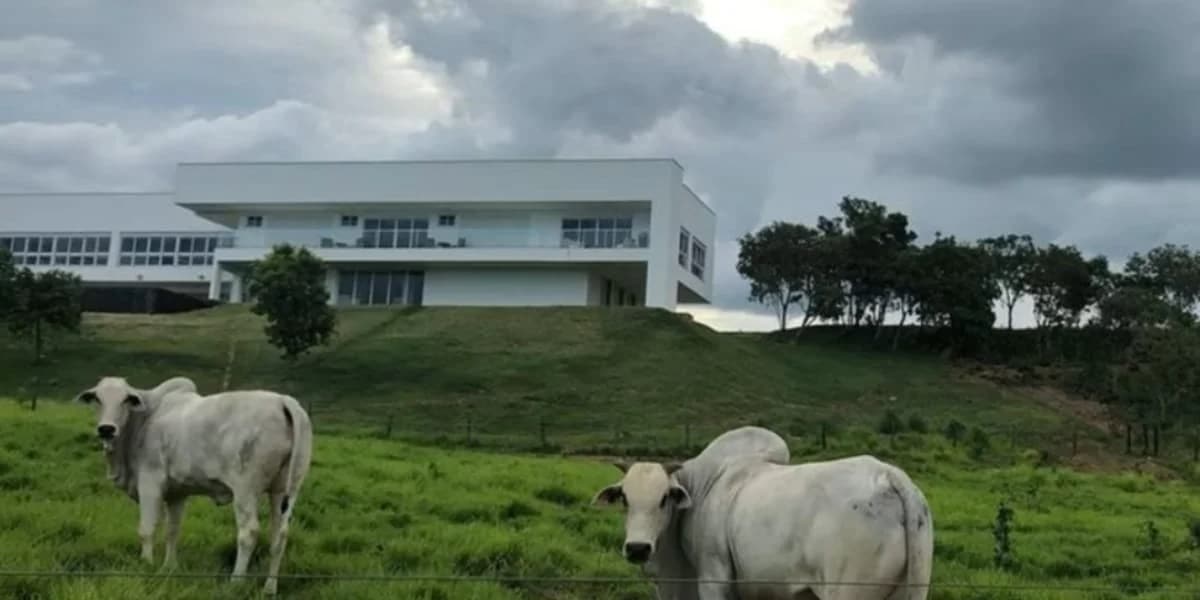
[(738, 522), (166, 444)]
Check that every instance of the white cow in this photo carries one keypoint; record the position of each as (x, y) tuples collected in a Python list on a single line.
[(780, 532), (166, 444)]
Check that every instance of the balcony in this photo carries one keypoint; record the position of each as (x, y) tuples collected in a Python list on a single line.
[(460, 237)]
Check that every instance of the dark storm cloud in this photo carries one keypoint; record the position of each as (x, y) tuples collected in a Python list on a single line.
[(1067, 88)]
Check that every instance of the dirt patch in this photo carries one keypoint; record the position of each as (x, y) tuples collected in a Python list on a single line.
[(1094, 414)]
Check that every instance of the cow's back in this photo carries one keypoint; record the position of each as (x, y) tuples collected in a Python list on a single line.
[(212, 443), (834, 520)]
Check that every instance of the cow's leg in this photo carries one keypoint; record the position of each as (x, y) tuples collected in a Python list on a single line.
[(174, 523), (279, 536), (245, 509), (149, 503), (715, 578)]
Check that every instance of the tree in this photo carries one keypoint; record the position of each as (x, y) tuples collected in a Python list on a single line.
[(50, 300), (1173, 273), (1064, 284), (1128, 305), (875, 239), (288, 287), (956, 290), (1157, 382), (8, 274), (1013, 258), (789, 264)]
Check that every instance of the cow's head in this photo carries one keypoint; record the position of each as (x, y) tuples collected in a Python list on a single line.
[(651, 495), (113, 400)]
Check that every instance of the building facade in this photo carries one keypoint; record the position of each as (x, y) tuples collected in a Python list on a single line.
[(482, 233)]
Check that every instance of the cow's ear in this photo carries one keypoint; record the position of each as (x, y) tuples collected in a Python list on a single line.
[(672, 467), (622, 465), (681, 497), (608, 496), (86, 397), (135, 402)]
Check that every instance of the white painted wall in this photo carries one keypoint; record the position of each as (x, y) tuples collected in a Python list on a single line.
[(505, 287), (700, 221)]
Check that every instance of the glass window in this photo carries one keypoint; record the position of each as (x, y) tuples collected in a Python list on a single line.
[(89, 245), (156, 244), (403, 239), (153, 259), (141, 244), (6, 243), (184, 260), (254, 221), (75, 260), (684, 239), (89, 260), (169, 244), (44, 259), (699, 252), (185, 244), (397, 291), (371, 224), (379, 288), (362, 288), (76, 244), (102, 260), (168, 260), (61, 244), (416, 287), (212, 244), (104, 244), (387, 239), (126, 244), (345, 287), (17, 245), (446, 220), (420, 223), (349, 221), (139, 260), (126, 260), (60, 259)]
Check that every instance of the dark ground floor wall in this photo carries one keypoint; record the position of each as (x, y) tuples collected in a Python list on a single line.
[(116, 299)]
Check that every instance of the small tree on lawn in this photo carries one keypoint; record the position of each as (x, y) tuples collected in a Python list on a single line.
[(288, 287), (41, 302), (8, 274)]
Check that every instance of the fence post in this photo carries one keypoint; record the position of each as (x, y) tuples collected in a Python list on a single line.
[(823, 443), (468, 429), (542, 430), (388, 433), (33, 398), (1074, 441)]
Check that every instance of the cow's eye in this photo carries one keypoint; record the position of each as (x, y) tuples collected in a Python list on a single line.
[(663, 502)]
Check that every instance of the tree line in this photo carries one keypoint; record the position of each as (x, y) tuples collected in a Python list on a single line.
[(856, 268)]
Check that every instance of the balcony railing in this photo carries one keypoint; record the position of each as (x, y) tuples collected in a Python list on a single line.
[(424, 239)]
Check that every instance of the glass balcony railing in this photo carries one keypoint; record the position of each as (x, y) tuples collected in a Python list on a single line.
[(460, 237)]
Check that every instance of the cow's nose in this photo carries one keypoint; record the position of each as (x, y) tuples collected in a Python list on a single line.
[(106, 432), (637, 552)]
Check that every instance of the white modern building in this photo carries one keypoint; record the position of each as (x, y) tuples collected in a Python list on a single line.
[(483, 233)]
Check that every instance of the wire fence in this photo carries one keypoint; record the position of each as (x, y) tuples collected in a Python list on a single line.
[(602, 581)]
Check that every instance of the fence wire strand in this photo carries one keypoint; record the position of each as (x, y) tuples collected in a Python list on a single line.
[(484, 579)]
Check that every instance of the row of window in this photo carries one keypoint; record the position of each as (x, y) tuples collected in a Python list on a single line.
[(75, 249), (93, 250), (598, 232), (699, 253), (367, 288), (619, 298), (396, 233), (254, 221), (168, 250)]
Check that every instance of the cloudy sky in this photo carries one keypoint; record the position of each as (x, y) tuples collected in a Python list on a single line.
[(1073, 121)]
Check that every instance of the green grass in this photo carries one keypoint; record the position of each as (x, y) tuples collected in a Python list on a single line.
[(377, 507), (600, 381)]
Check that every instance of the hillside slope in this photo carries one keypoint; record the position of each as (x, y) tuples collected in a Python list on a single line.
[(575, 378)]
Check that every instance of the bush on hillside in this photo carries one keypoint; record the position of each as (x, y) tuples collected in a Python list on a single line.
[(891, 424), (955, 431), (917, 425), (288, 287), (980, 443)]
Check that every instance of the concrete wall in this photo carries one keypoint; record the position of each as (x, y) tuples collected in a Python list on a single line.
[(700, 221), (505, 287)]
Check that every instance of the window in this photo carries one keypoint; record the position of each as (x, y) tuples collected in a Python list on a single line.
[(378, 288), (446, 220), (167, 250), (684, 239), (349, 221), (396, 233), (600, 232), (254, 221), (698, 256), (78, 249)]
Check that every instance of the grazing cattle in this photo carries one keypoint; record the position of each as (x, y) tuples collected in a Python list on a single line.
[(745, 525), (166, 444)]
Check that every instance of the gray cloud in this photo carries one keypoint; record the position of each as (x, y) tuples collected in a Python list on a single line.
[(987, 118), (1044, 87)]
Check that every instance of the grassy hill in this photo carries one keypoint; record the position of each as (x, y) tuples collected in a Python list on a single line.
[(376, 507), (579, 379)]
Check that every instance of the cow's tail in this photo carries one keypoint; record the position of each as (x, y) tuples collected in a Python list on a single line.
[(918, 535), (301, 455)]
